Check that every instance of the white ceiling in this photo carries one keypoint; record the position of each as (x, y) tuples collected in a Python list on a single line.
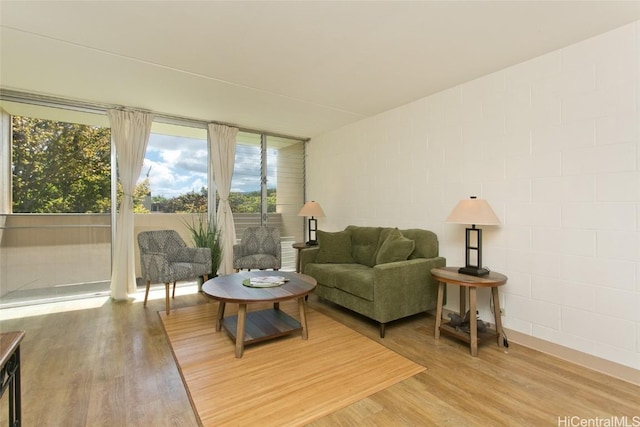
[(298, 68)]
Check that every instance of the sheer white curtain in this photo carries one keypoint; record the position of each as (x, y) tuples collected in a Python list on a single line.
[(222, 146), (5, 163), (5, 167), (130, 133)]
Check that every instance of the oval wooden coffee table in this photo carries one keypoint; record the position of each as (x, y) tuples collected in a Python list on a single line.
[(255, 326)]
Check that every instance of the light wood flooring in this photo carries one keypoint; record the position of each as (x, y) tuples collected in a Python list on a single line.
[(110, 365)]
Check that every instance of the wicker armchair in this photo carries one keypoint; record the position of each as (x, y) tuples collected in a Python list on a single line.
[(165, 258), (259, 249)]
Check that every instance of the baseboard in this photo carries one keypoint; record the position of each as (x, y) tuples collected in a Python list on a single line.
[(595, 363), (580, 358)]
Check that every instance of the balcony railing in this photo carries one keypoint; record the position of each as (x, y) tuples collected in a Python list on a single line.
[(61, 256)]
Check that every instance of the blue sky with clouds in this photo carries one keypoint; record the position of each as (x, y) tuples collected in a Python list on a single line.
[(178, 165)]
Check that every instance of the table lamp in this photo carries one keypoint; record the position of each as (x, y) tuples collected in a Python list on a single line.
[(473, 211), (312, 209)]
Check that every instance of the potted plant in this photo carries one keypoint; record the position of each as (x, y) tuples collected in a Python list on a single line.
[(206, 234)]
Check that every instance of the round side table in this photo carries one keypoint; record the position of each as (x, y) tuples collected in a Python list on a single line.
[(298, 247), (492, 280)]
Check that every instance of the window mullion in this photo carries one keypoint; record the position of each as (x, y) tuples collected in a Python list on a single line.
[(263, 179)]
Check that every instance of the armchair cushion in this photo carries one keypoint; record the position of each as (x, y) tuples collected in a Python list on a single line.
[(256, 262), (164, 257), (197, 255), (258, 249)]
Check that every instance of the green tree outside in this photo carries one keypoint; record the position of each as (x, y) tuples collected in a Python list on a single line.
[(197, 202), (60, 167), (63, 167)]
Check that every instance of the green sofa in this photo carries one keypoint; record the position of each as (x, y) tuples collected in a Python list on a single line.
[(381, 273)]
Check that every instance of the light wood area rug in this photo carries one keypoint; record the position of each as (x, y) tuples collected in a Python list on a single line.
[(283, 382)]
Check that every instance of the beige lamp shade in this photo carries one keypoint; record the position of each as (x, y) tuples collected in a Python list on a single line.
[(312, 209), (473, 211)]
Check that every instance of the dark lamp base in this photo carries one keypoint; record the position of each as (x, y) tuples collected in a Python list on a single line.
[(312, 242), (473, 271)]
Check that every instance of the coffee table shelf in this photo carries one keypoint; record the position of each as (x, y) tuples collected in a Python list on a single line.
[(253, 326), (262, 325)]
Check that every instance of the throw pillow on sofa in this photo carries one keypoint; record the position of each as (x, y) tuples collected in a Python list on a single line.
[(334, 248), (395, 247)]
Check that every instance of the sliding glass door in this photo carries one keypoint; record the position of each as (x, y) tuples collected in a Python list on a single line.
[(55, 224), (58, 192)]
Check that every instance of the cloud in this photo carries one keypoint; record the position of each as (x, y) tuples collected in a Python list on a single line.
[(178, 165), (175, 165)]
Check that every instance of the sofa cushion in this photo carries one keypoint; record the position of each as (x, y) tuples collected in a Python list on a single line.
[(364, 244), (326, 274), (334, 248), (355, 279), (395, 247)]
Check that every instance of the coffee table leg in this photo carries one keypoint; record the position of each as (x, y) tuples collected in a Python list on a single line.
[(303, 318), (242, 317), (220, 316)]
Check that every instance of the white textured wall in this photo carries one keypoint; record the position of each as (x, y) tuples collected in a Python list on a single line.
[(553, 145)]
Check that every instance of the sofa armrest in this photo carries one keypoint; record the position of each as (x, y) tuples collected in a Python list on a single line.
[(405, 287), (307, 256)]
